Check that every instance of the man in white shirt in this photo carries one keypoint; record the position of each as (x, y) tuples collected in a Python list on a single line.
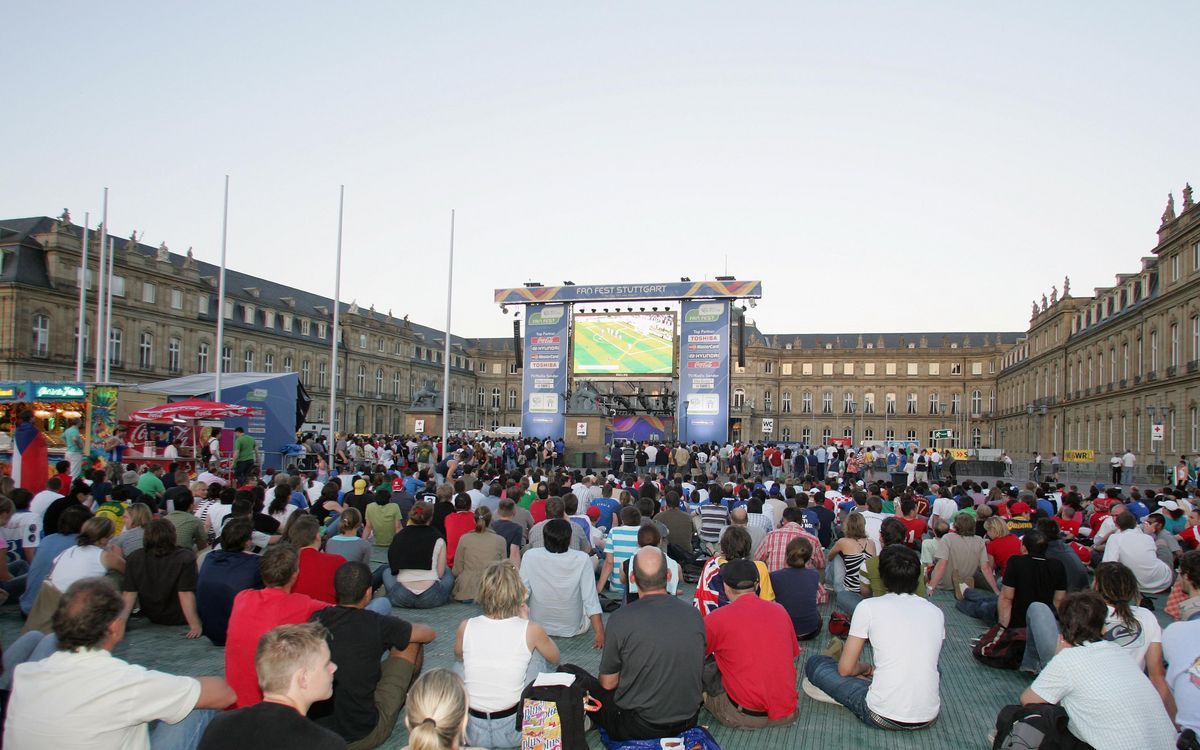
[(900, 691), (83, 697), (561, 583), (874, 518), (1136, 550), (1127, 463), (208, 477), (42, 500), (944, 508)]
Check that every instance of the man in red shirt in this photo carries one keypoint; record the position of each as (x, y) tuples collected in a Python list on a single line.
[(749, 681), (316, 567), (915, 525), (458, 523), (255, 611)]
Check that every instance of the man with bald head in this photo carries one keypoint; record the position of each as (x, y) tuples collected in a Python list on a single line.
[(653, 660), (741, 517)]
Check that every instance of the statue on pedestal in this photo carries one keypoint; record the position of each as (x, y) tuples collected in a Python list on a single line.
[(1043, 303), (163, 253), (1035, 308), (1187, 196), (65, 218), (1053, 295), (428, 395), (1169, 212), (1066, 286), (190, 260)]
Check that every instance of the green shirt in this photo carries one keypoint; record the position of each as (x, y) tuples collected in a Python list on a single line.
[(244, 448), (150, 484), (383, 522), (876, 581), (73, 439), (527, 499), (189, 532)]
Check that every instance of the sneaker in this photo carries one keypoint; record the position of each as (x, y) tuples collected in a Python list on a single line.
[(816, 693)]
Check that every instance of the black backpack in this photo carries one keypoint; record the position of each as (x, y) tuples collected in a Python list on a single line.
[(551, 716), (1039, 726)]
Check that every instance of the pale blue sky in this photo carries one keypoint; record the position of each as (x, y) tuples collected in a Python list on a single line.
[(881, 166)]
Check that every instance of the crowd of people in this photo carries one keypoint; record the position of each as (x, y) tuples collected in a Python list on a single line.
[(299, 575)]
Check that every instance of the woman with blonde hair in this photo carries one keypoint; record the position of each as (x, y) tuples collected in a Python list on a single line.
[(501, 651), (476, 551), (1001, 543), (436, 712), (137, 515), (854, 549)]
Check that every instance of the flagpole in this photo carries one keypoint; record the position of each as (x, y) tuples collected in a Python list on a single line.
[(337, 302), (112, 262), (101, 324), (220, 353), (80, 351), (446, 356)]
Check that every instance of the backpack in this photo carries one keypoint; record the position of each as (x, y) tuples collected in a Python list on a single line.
[(550, 717), (689, 739), (1041, 726), (1001, 647), (206, 452)]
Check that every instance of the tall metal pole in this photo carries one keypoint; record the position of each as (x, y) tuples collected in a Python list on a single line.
[(446, 354), (337, 302), (112, 262), (101, 323), (80, 353), (220, 353)]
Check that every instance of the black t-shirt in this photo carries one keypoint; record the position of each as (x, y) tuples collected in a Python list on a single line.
[(54, 511), (825, 521), (1034, 579), (513, 533), (267, 725), (796, 590), (158, 580), (656, 645), (357, 640)]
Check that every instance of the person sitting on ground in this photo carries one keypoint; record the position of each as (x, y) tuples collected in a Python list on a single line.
[(416, 574), (962, 560), (93, 556), (750, 683), (502, 650), (679, 523), (476, 551), (901, 691), (893, 531), (257, 611), (557, 508), (189, 531), (137, 515), (930, 545), (316, 567), (224, 573), (622, 543), (1032, 577), (650, 683), (161, 579), (562, 590), (1134, 628), (850, 552), (1087, 672), (70, 523), (1181, 647), (650, 536), (710, 593), (1001, 544), (384, 520), (458, 523), (1135, 549), (1077, 574), (347, 543), (294, 671), (82, 696), (504, 525), (796, 589), (367, 692), (436, 715)]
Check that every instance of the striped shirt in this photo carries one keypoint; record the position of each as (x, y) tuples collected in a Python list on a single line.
[(713, 518), (622, 541)]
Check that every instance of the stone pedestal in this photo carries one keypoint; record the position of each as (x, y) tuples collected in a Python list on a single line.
[(423, 423)]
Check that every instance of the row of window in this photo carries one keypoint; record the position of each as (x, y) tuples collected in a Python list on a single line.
[(868, 368), (851, 406), (868, 435)]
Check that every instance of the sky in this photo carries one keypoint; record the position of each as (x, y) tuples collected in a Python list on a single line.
[(879, 166)]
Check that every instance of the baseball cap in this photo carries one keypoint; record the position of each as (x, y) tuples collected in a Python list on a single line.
[(740, 575), (360, 486), (1019, 508), (1169, 505)]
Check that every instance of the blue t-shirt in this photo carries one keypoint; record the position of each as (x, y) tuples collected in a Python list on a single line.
[(1138, 509), (1046, 507), (607, 507), (222, 576), (43, 562), (796, 590)]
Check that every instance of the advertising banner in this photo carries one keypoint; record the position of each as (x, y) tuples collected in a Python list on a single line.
[(544, 377), (704, 372), (728, 289)]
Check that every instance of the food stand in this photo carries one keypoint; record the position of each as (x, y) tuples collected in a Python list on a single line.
[(53, 404), (184, 421)]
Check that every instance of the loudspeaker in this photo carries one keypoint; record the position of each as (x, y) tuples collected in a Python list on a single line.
[(741, 336), (517, 343)]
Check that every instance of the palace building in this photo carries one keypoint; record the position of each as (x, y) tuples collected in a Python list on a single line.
[(1088, 373)]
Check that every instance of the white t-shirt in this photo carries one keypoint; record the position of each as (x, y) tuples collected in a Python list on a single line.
[(41, 501), (905, 686), (1128, 460), (1135, 550), (1135, 640), (23, 531), (945, 509), (108, 702), (1085, 679), (1181, 649), (75, 564)]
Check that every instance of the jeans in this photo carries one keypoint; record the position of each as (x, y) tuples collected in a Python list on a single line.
[(978, 604), (32, 646), (434, 596), (1126, 475), (15, 586), (500, 732), (380, 605), (182, 736), (1041, 637), (846, 600), (835, 574), (851, 692)]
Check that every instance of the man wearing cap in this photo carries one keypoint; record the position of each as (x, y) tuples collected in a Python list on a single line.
[(358, 498), (1019, 523), (749, 683)]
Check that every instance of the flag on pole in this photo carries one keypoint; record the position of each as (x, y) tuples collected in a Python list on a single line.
[(30, 460)]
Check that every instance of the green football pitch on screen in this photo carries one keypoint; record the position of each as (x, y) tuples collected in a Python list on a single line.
[(639, 344)]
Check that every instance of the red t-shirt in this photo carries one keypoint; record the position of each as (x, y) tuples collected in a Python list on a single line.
[(255, 611), (316, 574), (1069, 524), (458, 524), (916, 530), (1191, 535), (1003, 548), (537, 509), (759, 673)]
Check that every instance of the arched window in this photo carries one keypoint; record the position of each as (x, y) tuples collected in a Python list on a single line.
[(805, 435), (825, 435), (305, 371), (202, 357), (889, 434), (268, 362), (806, 403), (378, 419), (379, 392), (495, 398), (786, 402), (226, 358), (146, 350), (395, 392), (868, 434), (976, 438), (976, 403), (41, 336), (868, 403), (114, 347), (912, 435), (360, 419), (739, 398), (362, 379), (847, 402), (322, 374), (827, 402), (248, 361), (912, 403), (480, 395), (512, 399), (786, 434), (174, 347)]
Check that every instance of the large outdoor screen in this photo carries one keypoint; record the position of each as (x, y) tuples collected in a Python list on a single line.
[(624, 344)]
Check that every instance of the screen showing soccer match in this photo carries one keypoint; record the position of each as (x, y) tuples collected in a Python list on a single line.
[(624, 344)]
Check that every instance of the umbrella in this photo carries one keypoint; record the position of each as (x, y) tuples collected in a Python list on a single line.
[(192, 408)]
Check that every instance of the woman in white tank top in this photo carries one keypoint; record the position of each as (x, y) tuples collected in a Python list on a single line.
[(501, 651), (91, 557)]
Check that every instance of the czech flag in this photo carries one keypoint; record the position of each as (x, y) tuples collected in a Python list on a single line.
[(30, 461)]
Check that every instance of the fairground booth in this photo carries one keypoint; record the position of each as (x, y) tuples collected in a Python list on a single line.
[(52, 404)]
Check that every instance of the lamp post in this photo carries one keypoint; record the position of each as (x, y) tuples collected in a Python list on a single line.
[(1150, 412)]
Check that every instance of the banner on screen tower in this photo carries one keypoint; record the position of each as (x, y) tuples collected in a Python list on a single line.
[(545, 371), (704, 371)]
